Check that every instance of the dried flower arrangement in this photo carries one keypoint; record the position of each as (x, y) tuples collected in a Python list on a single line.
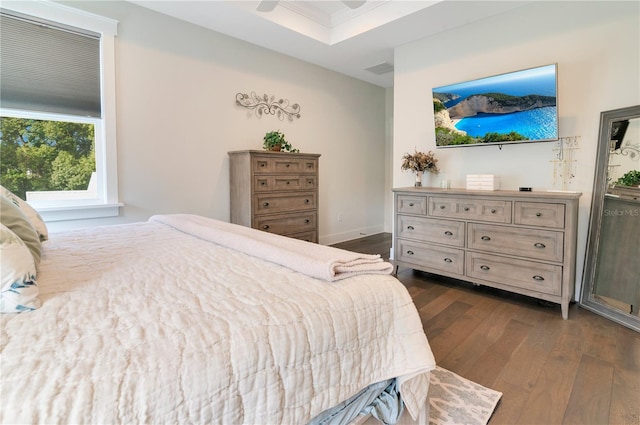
[(419, 162)]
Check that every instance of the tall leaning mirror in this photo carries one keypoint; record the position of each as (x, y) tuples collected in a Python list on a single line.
[(611, 280)]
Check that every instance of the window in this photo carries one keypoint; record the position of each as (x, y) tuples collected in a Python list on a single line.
[(59, 76)]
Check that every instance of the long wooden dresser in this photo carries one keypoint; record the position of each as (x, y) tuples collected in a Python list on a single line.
[(276, 192), (524, 242)]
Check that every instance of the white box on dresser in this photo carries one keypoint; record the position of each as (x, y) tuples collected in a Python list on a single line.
[(523, 242), (482, 182)]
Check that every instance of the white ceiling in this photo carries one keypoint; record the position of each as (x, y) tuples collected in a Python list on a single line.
[(330, 34)]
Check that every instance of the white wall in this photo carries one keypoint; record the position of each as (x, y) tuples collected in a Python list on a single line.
[(597, 48), (177, 119)]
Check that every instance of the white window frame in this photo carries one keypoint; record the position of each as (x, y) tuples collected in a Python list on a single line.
[(107, 204)]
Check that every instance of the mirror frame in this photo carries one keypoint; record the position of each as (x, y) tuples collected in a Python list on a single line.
[(607, 118)]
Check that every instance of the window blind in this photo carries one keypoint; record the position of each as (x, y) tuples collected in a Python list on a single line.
[(48, 68)]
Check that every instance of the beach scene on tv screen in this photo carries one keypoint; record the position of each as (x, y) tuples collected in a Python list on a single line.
[(515, 107)]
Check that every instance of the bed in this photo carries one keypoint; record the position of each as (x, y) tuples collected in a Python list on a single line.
[(186, 319)]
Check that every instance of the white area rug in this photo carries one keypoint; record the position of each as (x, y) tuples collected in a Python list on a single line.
[(456, 400)]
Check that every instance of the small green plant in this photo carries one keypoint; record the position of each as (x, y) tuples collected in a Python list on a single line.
[(275, 141), (632, 178)]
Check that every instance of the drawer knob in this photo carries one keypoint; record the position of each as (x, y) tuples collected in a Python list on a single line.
[(448, 233), (306, 201), (493, 211), (485, 268), (288, 165), (539, 245), (448, 260), (538, 214), (441, 207), (466, 208), (538, 278), (263, 183), (265, 227), (288, 182), (485, 238), (307, 220), (410, 228), (410, 252), (266, 204), (411, 204)]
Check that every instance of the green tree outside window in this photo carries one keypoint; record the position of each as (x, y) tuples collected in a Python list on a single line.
[(38, 155)]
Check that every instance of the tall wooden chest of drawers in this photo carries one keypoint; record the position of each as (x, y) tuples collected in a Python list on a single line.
[(276, 192), (524, 242)]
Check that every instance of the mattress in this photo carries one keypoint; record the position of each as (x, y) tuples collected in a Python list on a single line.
[(145, 323)]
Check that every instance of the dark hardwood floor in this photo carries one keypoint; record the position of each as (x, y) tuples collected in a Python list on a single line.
[(584, 370)]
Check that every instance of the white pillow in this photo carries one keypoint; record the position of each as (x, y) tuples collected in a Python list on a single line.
[(32, 215), (19, 288)]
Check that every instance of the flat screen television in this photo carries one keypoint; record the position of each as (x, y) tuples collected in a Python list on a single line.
[(517, 107)]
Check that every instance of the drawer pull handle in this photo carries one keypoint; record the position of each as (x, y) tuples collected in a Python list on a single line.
[(411, 204), (410, 252), (266, 204), (306, 201), (307, 220), (288, 165), (441, 207), (263, 183), (265, 227), (309, 165), (448, 233), (448, 260), (288, 182), (466, 208), (485, 238), (539, 245), (538, 277), (410, 228), (485, 268), (493, 211), (262, 164), (538, 214)]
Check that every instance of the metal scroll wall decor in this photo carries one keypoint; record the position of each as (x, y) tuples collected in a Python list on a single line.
[(263, 105)]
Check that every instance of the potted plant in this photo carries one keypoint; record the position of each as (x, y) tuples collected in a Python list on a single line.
[(419, 162), (275, 141), (632, 178), (627, 186)]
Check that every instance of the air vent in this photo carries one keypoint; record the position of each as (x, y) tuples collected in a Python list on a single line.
[(381, 68)]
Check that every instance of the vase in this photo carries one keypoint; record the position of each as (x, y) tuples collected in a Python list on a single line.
[(418, 179)]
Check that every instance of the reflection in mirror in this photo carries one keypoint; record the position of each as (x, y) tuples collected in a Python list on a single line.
[(611, 281)]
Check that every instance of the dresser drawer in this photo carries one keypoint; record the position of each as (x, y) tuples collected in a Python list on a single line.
[(447, 232), (287, 223), (540, 277), (284, 164), (311, 236), (437, 258), (267, 183), (266, 203), (469, 208), (412, 204), (539, 214), (535, 244)]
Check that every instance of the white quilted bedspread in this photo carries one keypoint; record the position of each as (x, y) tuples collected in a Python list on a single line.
[(142, 323)]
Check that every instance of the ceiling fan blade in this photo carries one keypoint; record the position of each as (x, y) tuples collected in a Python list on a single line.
[(354, 4), (266, 5)]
